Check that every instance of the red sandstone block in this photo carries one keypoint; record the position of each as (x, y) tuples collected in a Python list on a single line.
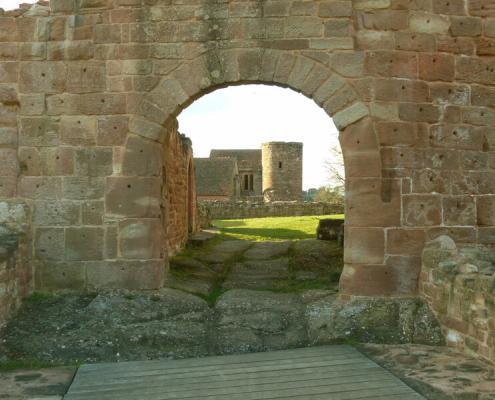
[(86, 77), (431, 181), (465, 26), (108, 33), (338, 27), (8, 30), (456, 7), (482, 96), (141, 239), (419, 112), (112, 130), (481, 8), (84, 243), (92, 212), (486, 210), (42, 77), (386, 20), (396, 157), (9, 162), (94, 161), (436, 67), (478, 70), (142, 157), (403, 90), (40, 188), (448, 93), (365, 204), (421, 210), (402, 134), (364, 245), (485, 47), (133, 197), (403, 241), (483, 116), (332, 8), (374, 40), (456, 45), (137, 275), (464, 137), (424, 5), (392, 64), (378, 280), (9, 71), (126, 15), (486, 236), (459, 211), (474, 160), (415, 41), (8, 186), (301, 7)]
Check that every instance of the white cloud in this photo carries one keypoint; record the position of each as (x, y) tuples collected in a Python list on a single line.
[(246, 116), (13, 4)]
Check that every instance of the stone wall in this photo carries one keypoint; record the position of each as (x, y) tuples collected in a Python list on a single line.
[(180, 217), (246, 209), (15, 264), (459, 285), (282, 171), (88, 89)]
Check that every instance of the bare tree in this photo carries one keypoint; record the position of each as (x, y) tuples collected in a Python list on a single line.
[(335, 167)]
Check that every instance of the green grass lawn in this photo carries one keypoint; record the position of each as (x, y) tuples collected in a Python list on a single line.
[(276, 228)]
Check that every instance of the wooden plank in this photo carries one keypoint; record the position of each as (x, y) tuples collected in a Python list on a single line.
[(293, 374), (365, 388), (229, 369), (241, 384), (338, 351), (327, 372)]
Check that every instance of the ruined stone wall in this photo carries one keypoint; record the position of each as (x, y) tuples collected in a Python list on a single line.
[(16, 271), (88, 88), (180, 217), (458, 283), (282, 171), (247, 209)]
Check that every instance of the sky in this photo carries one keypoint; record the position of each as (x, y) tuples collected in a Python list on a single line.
[(244, 117), (13, 4)]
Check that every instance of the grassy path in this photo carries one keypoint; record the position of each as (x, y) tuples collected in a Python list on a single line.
[(276, 228)]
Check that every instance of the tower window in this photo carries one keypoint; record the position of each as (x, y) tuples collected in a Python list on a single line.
[(246, 182), (280, 164)]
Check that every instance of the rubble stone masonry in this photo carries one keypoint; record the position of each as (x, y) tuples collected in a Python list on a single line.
[(90, 89)]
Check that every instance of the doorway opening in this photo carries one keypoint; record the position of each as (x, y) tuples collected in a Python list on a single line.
[(261, 158)]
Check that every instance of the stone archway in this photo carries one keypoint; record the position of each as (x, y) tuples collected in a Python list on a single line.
[(373, 203)]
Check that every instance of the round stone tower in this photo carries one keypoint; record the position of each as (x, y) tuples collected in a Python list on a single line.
[(282, 171)]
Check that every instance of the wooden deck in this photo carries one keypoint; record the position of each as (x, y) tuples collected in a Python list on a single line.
[(327, 372)]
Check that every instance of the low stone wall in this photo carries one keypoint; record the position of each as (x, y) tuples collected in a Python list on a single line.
[(459, 286), (245, 209), (15, 269)]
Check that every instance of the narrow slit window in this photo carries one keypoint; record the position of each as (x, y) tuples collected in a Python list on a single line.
[(246, 182), (251, 182), (280, 164)]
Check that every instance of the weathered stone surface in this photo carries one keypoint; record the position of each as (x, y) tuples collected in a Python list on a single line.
[(118, 326), (372, 321), (256, 321), (266, 250), (266, 274), (457, 283)]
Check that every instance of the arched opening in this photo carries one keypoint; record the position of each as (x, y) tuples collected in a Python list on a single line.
[(372, 201), (260, 155)]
